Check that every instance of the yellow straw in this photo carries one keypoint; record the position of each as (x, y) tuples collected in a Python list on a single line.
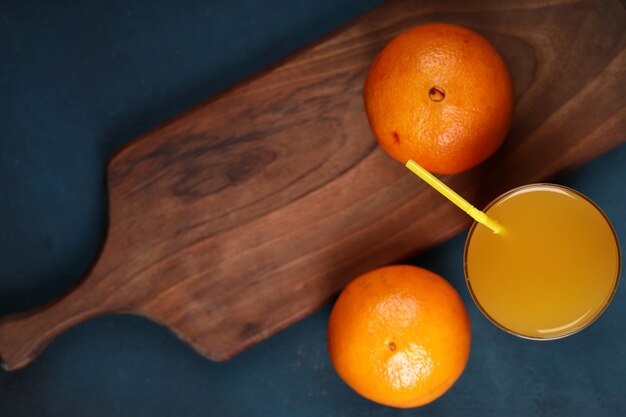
[(447, 192)]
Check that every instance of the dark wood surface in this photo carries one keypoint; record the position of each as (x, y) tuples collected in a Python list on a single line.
[(249, 211)]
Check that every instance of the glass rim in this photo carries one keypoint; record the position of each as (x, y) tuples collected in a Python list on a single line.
[(600, 311)]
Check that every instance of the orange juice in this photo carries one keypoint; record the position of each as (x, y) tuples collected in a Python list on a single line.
[(555, 268)]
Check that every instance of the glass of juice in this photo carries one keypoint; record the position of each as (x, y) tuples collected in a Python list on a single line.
[(555, 268)]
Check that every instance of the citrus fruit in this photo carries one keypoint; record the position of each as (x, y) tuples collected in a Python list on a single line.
[(441, 95), (399, 336)]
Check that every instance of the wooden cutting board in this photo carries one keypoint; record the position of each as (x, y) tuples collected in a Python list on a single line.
[(249, 211)]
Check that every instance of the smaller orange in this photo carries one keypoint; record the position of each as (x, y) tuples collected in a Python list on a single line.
[(399, 336), (441, 95)]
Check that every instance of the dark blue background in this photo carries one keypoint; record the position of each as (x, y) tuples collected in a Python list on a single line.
[(77, 80)]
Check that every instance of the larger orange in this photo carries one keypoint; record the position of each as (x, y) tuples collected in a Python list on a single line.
[(441, 95), (399, 336)]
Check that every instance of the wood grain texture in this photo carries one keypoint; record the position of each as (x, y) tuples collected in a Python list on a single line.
[(249, 211)]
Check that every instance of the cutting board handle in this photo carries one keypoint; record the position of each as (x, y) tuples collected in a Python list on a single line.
[(23, 336)]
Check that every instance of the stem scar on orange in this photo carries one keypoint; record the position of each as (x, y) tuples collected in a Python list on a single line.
[(399, 336), (441, 95)]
